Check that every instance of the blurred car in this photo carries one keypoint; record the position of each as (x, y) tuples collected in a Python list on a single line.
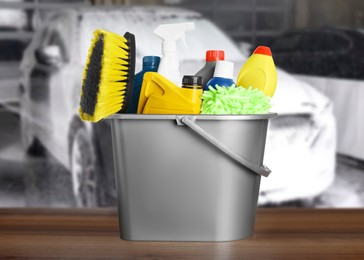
[(325, 52), (52, 73), (331, 60), (10, 56)]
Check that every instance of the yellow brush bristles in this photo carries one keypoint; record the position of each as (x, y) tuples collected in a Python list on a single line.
[(112, 76)]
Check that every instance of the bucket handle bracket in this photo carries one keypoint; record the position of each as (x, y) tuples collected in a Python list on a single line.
[(190, 122)]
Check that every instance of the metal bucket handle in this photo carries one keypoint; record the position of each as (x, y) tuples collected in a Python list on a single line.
[(260, 170)]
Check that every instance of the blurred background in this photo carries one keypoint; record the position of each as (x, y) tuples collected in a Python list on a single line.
[(49, 158)]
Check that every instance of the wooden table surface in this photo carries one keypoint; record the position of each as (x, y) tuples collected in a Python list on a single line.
[(93, 233)]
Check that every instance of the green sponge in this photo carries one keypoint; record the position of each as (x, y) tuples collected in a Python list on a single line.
[(234, 100)]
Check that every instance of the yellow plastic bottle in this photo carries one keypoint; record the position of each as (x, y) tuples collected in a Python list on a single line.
[(161, 96), (259, 72)]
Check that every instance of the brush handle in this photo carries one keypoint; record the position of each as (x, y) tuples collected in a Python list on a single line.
[(260, 170)]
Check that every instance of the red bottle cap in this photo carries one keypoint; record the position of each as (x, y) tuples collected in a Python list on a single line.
[(215, 55), (263, 50)]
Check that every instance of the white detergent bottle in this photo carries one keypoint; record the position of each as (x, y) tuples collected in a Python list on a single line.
[(170, 33)]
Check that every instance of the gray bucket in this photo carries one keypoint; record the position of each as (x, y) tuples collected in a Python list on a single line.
[(188, 178)]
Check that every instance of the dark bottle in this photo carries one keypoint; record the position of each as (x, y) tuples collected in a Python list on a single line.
[(150, 63)]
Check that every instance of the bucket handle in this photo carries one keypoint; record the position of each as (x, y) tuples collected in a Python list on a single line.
[(260, 170)]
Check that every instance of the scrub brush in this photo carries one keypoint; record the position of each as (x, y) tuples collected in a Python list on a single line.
[(234, 100), (108, 77)]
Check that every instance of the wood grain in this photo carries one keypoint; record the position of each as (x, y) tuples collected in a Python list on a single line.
[(93, 233)]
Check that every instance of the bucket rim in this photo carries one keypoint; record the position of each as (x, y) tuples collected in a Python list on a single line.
[(195, 117)]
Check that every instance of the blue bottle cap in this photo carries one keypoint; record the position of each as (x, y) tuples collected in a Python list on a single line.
[(151, 60)]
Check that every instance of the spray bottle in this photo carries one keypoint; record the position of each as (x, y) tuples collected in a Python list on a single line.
[(170, 33)]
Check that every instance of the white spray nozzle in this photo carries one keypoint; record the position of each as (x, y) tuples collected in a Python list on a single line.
[(174, 31)]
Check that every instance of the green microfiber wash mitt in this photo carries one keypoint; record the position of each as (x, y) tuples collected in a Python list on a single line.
[(234, 100)]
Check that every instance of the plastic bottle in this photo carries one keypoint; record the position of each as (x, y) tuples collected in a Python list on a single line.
[(223, 75), (194, 85), (207, 71), (259, 72), (170, 33), (150, 63)]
